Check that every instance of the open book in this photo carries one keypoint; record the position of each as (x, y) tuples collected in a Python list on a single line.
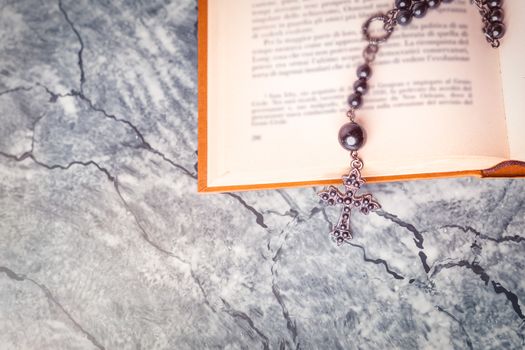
[(274, 77)]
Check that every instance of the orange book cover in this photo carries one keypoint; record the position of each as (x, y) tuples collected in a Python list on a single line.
[(505, 169)]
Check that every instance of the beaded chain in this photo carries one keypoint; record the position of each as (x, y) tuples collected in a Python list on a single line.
[(351, 135)]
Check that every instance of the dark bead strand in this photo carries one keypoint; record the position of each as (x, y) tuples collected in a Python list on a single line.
[(404, 17), (496, 15), (496, 30), (403, 4), (364, 71), (355, 100), (361, 86), (494, 3), (446, 1), (419, 9), (433, 3)]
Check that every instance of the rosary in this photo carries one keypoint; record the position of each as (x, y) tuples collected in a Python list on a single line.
[(351, 135)]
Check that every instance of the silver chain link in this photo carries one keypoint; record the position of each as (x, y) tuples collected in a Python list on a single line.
[(389, 20), (485, 19)]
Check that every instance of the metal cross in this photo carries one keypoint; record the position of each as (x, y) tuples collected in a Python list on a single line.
[(349, 200)]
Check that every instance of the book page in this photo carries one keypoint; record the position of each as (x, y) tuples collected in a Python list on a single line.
[(512, 57), (279, 73)]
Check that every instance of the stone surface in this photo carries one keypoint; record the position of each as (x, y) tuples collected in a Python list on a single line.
[(104, 242)]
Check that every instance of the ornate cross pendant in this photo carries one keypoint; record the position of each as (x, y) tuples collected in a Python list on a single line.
[(349, 200)]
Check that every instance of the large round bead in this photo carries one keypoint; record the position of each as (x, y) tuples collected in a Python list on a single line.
[(496, 30), (351, 136), (403, 4), (433, 3), (494, 3), (496, 15), (419, 9), (404, 17)]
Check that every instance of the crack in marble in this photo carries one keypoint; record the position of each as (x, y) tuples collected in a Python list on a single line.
[(314, 211), (515, 238), (418, 237), (365, 258), (513, 298), (144, 234), (199, 283), (18, 88), (241, 315), (480, 271), (294, 207), (510, 219), (114, 180), (80, 51), (156, 246), (502, 196), (423, 258), (290, 324), (378, 261), (330, 225), (321, 209), (291, 213), (475, 268), (143, 143), (468, 340), (30, 155), (54, 95), (259, 217), (21, 278), (277, 256)]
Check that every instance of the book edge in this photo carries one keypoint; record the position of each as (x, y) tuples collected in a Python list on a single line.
[(202, 96), (505, 169)]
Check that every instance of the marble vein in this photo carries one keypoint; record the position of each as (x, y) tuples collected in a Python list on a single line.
[(21, 278), (104, 242)]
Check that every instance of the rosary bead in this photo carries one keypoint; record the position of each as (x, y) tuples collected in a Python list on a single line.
[(351, 136), (364, 71), (446, 1), (433, 3), (496, 15), (355, 100), (494, 3), (419, 9), (361, 86), (496, 30), (404, 17), (403, 4)]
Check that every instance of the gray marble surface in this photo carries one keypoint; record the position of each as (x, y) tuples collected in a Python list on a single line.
[(104, 242)]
